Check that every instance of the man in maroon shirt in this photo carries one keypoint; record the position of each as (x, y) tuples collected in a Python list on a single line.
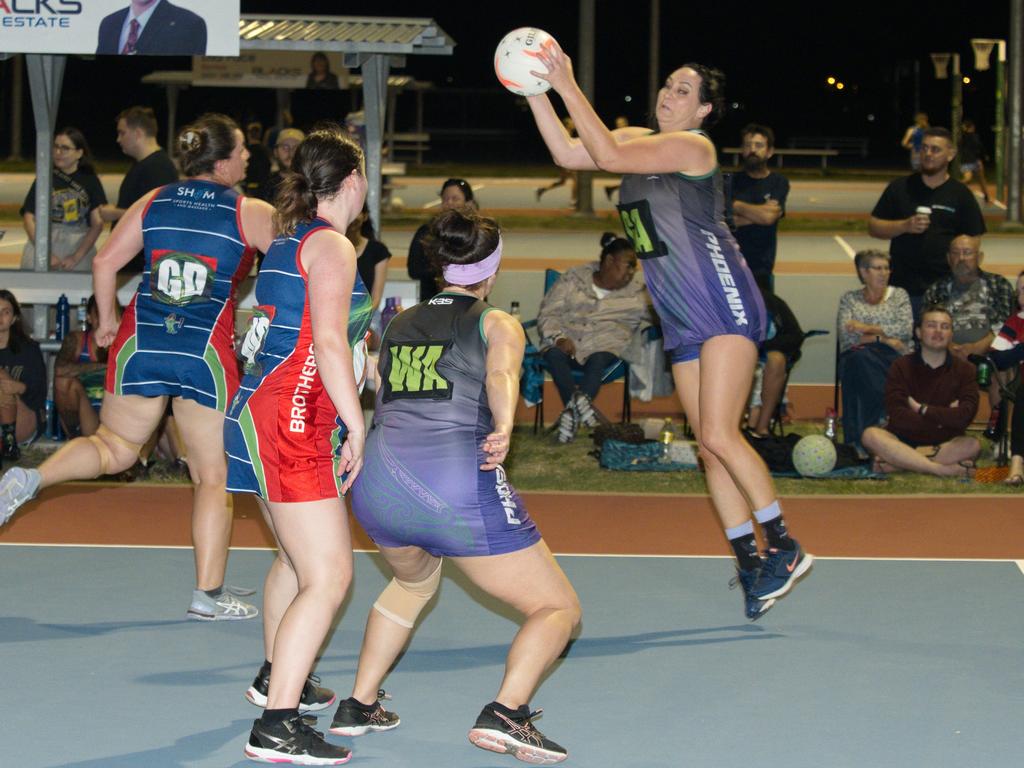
[(930, 398)]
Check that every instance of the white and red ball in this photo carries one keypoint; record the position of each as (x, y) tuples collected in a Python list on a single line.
[(516, 56)]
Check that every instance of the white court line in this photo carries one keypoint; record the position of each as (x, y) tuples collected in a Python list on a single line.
[(847, 249), (474, 187), (1019, 563)]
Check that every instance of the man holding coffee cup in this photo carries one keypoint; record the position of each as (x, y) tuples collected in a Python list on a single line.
[(921, 213)]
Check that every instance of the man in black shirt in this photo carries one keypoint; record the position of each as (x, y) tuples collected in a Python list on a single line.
[(152, 167), (921, 213), (758, 199)]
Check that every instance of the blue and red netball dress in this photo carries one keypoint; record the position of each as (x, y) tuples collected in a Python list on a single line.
[(177, 335), (698, 280), (421, 482), (282, 433)]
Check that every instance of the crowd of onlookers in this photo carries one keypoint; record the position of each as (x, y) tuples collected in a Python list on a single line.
[(925, 309)]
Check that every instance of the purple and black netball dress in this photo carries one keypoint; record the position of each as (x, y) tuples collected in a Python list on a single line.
[(282, 433), (421, 482), (177, 335), (697, 277)]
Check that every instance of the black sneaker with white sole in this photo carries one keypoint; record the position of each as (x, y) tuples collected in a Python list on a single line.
[(354, 718), (294, 742), (516, 735), (313, 698)]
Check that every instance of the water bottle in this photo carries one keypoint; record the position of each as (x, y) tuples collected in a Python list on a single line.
[(63, 317), (83, 315), (392, 306), (667, 436), (830, 423), (515, 312)]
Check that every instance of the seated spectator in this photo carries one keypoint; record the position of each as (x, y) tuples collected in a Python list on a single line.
[(874, 327), (931, 397), (22, 380), (585, 323), (79, 378), (455, 193), (286, 141), (372, 255), (781, 351), (979, 303), (258, 169), (1007, 352), (75, 200)]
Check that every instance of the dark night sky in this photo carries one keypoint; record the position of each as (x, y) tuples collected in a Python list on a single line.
[(776, 57)]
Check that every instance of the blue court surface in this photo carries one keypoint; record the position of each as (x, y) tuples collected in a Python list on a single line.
[(868, 663)]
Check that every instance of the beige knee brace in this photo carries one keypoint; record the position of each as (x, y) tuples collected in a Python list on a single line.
[(99, 443), (403, 601)]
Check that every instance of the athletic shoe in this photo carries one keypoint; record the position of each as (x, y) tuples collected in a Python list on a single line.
[(16, 487), (294, 742), (567, 425), (781, 569), (516, 736), (586, 413), (227, 607), (313, 698), (354, 718), (754, 607)]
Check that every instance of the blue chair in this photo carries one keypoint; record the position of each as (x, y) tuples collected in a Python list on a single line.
[(533, 359)]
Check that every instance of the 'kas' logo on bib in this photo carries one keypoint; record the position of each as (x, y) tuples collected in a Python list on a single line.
[(180, 278)]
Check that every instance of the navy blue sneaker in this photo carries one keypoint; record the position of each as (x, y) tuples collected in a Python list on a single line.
[(754, 607), (781, 569)]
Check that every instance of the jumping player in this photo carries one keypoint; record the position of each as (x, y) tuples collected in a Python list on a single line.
[(712, 315), (294, 434), (174, 341), (433, 487)]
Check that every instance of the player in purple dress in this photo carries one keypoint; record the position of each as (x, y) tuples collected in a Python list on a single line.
[(671, 205)]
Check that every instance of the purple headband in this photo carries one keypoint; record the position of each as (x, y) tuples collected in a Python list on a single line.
[(470, 274)]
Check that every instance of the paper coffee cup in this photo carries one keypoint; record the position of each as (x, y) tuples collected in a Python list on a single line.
[(924, 209)]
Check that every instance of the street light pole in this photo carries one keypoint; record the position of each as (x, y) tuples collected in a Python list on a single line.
[(1016, 70), (957, 108)]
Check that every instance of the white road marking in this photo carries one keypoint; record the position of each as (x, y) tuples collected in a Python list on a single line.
[(847, 248)]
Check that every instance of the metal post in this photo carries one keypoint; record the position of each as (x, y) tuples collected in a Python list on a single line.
[(1000, 124), (1016, 82), (17, 97), (585, 186), (375, 86), (45, 76), (172, 118), (957, 110)]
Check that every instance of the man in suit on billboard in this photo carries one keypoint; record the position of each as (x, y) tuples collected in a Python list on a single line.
[(152, 27)]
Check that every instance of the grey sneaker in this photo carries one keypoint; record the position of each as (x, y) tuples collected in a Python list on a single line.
[(17, 486), (586, 413), (227, 607), (567, 425)]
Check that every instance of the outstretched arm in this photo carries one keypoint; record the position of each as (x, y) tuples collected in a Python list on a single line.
[(628, 150), (505, 344)]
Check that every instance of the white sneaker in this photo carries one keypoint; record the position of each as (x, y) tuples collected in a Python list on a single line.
[(227, 607), (17, 486)]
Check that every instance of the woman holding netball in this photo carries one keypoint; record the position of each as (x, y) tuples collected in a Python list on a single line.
[(294, 434), (174, 342), (671, 206)]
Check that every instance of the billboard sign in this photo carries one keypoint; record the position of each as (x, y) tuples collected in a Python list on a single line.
[(120, 27)]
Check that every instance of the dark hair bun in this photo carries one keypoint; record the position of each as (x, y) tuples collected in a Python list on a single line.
[(607, 239), (191, 141), (455, 235)]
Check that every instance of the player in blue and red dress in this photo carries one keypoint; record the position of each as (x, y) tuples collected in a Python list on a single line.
[(671, 205), (294, 434), (174, 342)]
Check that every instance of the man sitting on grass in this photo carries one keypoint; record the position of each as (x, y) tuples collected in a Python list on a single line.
[(931, 397)]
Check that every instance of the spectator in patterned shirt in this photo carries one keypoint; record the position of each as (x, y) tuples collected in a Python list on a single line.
[(979, 302)]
